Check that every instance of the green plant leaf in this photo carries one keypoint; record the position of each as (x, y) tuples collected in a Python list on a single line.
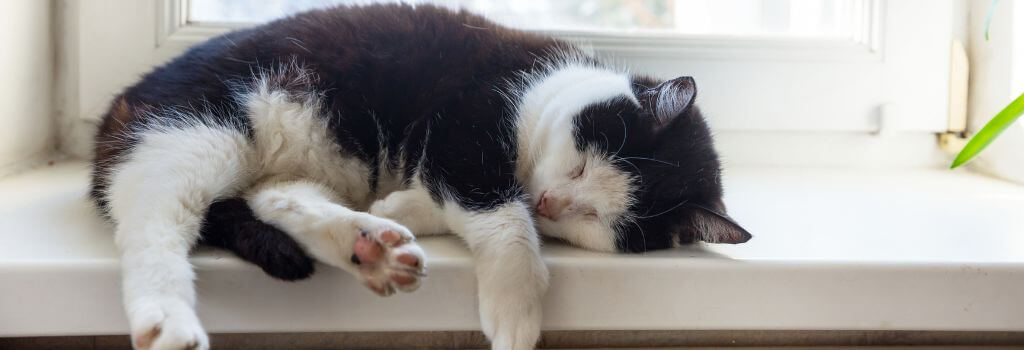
[(992, 129)]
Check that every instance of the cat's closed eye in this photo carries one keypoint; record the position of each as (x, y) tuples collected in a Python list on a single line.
[(578, 172)]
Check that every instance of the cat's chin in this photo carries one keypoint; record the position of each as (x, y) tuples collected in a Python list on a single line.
[(577, 234)]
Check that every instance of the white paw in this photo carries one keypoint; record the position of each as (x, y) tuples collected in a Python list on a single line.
[(509, 325), (510, 288), (386, 256), (166, 324)]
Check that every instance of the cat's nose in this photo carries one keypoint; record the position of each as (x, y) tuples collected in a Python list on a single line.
[(551, 207)]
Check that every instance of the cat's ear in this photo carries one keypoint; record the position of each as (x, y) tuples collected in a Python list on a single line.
[(668, 100), (712, 226)]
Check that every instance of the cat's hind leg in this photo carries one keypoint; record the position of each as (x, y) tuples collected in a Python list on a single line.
[(157, 197), (381, 253)]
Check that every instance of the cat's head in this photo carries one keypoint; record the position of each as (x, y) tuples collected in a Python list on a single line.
[(641, 174)]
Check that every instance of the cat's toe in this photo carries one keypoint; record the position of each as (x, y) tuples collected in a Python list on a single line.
[(389, 260), (393, 238), (406, 263)]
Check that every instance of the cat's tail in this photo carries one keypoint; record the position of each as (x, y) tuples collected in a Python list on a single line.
[(230, 224)]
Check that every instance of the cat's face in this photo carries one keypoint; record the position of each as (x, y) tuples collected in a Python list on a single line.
[(641, 174)]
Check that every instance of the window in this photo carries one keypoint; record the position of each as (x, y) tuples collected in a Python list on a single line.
[(771, 70), (833, 19)]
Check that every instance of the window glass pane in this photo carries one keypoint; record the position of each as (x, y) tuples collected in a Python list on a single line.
[(758, 18)]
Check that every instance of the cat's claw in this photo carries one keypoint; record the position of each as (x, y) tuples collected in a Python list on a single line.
[(388, 258)]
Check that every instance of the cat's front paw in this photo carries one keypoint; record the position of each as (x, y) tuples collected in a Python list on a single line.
[(166, 324), (511, 322), (387, 257)]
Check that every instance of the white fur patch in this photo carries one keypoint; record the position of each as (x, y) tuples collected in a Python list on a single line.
[(413, 208), (291, 141)]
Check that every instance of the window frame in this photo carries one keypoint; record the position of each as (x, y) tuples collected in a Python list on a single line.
[(895, 76)]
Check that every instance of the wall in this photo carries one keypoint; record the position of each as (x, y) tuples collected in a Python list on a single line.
[(26, 86)]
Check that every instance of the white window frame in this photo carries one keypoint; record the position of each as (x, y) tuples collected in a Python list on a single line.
[(175, 28), (896, 76)]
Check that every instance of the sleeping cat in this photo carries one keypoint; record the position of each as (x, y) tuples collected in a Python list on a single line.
[(337, 134)]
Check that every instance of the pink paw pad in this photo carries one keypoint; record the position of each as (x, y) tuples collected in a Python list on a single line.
[(388, 261)]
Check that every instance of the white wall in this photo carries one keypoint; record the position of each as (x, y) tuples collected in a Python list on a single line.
[(26, 82)]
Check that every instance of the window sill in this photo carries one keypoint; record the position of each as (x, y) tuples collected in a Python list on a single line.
[(833, 250)]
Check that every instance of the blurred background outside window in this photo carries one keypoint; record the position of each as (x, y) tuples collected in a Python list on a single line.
[(829, 19)]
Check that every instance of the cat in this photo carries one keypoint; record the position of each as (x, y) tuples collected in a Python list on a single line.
[(337, 134)]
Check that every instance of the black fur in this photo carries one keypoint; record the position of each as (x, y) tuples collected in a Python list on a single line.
[(423, 86)]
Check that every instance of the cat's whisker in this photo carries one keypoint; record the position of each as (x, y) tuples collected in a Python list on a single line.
[(653, 160), (664, 212), (624, 160), (625, 135), (643, 236)]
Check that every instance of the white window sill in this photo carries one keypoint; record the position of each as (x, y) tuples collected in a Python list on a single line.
[(833, 250)]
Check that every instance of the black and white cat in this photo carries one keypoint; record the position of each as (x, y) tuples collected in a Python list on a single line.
[(339, 133)]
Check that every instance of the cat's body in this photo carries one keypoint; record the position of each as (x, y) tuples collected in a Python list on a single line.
[(339, 133)]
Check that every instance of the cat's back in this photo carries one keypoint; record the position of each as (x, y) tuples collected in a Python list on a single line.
[(353, 46), (387, 54), (421, 55)]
